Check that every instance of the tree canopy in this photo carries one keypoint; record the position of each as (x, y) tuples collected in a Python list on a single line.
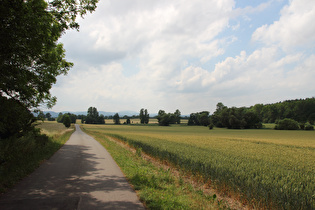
[(235, 118), (93, 117), (30, 56), (300, 110), (144, 116), (166, 119), (67, 121), (116, 119), (199, 118), (61, 117)]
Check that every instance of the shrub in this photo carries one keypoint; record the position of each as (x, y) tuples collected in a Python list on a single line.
[(15, 118), (67, 121), (308, 127), (211, 126), (287, 124)]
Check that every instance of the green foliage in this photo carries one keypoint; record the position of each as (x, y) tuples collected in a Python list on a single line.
[(48, 115), (308, 127), (287, 124), (30, 56), (177, 114), (61, 117), (93, 117), (41, 116), (165, 119), (201, 118), (235, 118), (311, 118), (144, 116), (19, 156), (15, 119), (67, 121), (116, 119), (300, 110), (49, 118), (211, 126)]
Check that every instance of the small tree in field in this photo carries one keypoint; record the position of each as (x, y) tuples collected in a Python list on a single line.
[(144, 116), (67, 121), (116, 119)]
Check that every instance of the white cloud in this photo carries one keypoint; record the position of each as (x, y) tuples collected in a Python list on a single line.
[(158, 30), (193, 79), (262, 76), (295, 28), (172, 47)]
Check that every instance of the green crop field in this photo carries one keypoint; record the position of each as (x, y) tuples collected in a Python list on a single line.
[(268, 168)]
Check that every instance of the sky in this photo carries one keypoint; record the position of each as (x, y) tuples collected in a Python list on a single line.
[(188, 55)]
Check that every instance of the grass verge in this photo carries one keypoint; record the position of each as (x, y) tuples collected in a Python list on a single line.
[(21, 156), (157, 188)]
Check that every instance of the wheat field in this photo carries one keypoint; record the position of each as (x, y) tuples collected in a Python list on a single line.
[(271, 168)]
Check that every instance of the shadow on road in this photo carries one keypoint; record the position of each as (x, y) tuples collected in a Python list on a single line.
[(78, 176)]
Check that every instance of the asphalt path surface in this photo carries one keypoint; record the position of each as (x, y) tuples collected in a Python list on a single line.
[(81, 175)]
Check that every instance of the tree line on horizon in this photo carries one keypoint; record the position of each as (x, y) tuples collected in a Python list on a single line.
[(301, 112)]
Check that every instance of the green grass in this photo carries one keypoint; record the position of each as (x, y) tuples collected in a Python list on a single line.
[(156, 187), (21, 156), (265, 168)]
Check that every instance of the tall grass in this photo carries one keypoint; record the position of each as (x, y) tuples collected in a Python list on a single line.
[(21, 156), (266, 168)]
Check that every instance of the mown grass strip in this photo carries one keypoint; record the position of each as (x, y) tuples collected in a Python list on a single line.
[(21, 156), (157, 188)]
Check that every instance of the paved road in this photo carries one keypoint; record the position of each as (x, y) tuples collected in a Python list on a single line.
[(81, 175)]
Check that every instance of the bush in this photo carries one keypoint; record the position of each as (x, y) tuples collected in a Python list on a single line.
[(15, 118), (287, 124), (67, 121), (211, 126), (308, 127)]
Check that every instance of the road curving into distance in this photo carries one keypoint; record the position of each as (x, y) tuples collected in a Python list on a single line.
[(81, 175)]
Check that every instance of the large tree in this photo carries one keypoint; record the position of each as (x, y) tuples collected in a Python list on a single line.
[(93, 117), (30, 56), (177, 114), (144, 116), (116, 119)]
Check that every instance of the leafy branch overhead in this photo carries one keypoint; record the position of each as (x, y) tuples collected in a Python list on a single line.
[(30, 56), (66, 11)]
